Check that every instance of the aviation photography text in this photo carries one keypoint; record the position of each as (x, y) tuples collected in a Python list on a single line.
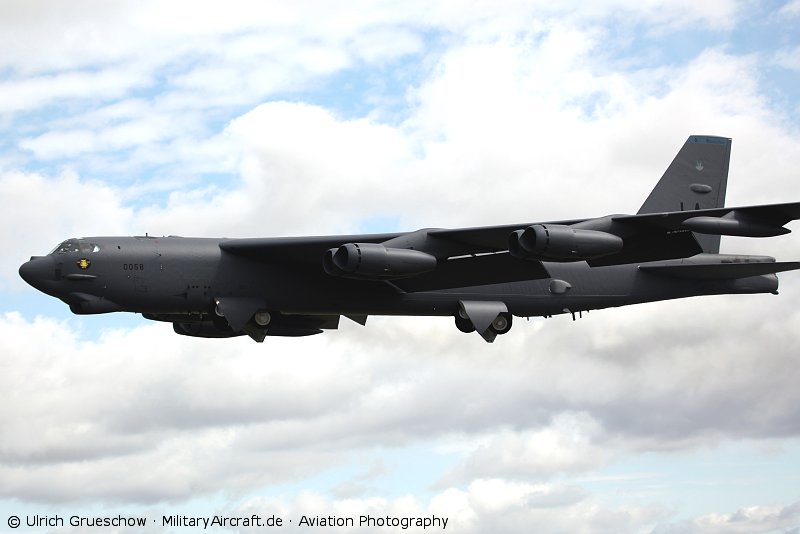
[(225, 522)]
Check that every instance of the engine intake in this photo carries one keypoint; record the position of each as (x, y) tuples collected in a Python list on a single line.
[(560, 242), (375, 261)]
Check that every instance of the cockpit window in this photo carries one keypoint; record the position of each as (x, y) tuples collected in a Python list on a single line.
[(88, 247), (70, 245), (76, 245)]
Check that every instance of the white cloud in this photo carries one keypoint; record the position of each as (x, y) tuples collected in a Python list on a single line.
[(512, 114), (38, 91), (578, 395), (492, 138), (788, 58), (572, 443), (135, 132), (751, 519), (790, 8), (42, 211), (486, 505), (47, 35), (97, 427)]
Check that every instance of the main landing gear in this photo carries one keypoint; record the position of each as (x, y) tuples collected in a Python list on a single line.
[(464, 324), (500, 325), (489, 319)]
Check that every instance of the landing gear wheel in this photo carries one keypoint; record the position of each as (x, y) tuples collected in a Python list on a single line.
[(502, 324), (464, 324), (262, 318)]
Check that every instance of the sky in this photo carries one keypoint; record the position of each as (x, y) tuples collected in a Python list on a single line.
[(245, 119)]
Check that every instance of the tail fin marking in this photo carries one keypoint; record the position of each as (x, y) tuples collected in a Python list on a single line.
[(696, 179)]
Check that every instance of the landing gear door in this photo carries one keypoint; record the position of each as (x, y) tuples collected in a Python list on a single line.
[(482, 314), (238, 310)]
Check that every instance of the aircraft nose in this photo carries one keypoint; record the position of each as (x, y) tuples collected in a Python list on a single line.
[(39, 269)]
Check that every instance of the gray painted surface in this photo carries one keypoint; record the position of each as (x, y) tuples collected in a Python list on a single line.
[(481, 276)]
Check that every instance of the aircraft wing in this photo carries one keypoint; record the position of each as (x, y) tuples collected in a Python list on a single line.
[(296, 250), (646, 243), (485, 238), (467, 257), (441, 242), (437, 258)]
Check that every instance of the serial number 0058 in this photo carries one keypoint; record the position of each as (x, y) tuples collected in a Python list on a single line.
[(133, 266)]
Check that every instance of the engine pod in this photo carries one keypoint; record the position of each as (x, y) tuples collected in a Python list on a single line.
[(377, 262), (561, 242)]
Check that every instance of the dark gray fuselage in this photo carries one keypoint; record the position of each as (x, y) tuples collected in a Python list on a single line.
[(482, 276), (176, 275)]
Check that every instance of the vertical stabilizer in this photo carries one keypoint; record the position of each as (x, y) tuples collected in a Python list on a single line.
[(696, 179)]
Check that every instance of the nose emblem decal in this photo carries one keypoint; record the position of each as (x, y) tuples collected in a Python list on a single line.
[(84, 263)]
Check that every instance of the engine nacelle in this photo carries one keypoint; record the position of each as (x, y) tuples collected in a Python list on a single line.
[(731, 226), (560, 242), (375, 261)]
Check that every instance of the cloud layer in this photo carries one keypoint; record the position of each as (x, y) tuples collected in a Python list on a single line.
[(288, 120)]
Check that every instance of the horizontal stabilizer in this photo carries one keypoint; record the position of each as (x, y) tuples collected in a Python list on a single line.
[(720, 271), (734, 224), (772, 215)]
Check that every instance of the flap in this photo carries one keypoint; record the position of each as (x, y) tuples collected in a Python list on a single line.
[(472, 271)]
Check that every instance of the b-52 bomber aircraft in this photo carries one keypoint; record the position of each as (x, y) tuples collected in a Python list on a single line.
[(483, 276)]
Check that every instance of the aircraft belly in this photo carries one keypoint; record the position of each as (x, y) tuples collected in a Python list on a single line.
[(191, 282), (588, 288), (522, 298)]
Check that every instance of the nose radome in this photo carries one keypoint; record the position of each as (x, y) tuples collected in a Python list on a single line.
[(39, 269)]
